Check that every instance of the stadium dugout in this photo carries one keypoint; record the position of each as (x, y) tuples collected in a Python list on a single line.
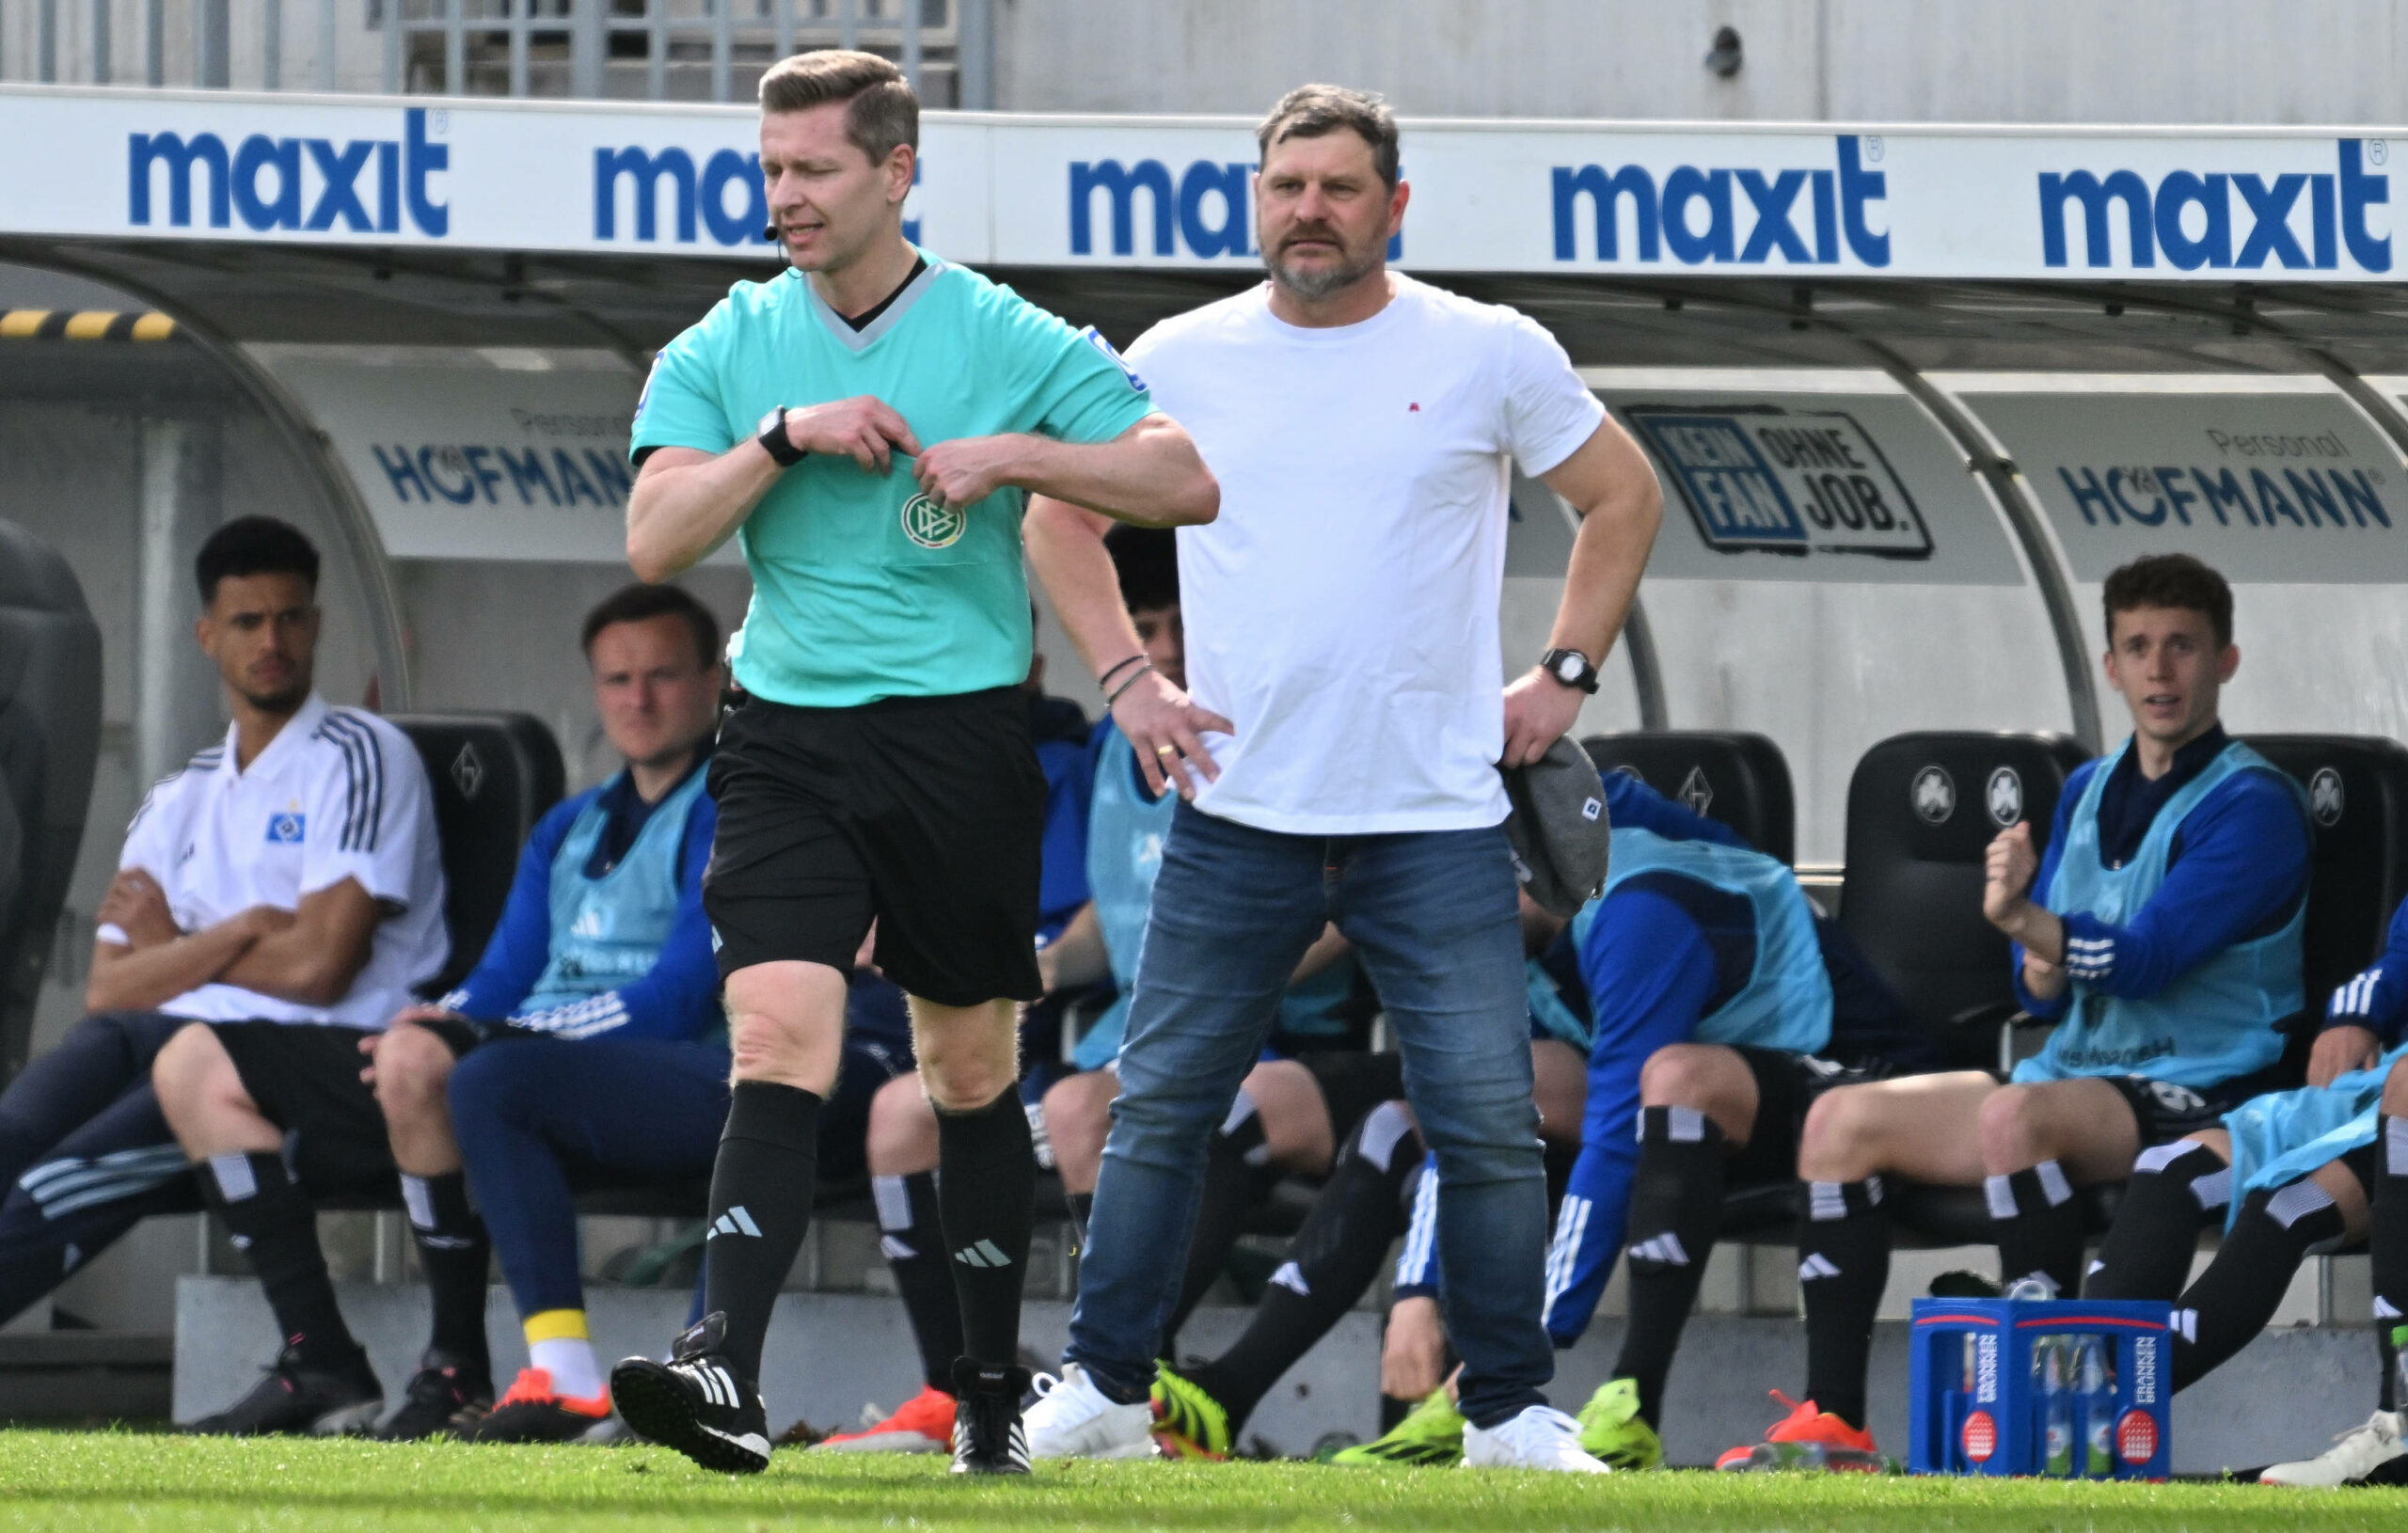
[(1912, 391)]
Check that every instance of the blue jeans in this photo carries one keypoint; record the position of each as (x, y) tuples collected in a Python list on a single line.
[(1432, 915)]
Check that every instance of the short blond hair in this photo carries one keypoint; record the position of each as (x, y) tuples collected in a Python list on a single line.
[(880, 110)]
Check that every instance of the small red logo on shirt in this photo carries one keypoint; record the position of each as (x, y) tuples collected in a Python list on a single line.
[(1412, 409)]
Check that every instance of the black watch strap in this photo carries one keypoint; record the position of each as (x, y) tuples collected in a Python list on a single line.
[(1571, 667), (774, 441)]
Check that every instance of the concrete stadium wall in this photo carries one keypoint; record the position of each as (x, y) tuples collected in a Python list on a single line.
[(1805, 60)]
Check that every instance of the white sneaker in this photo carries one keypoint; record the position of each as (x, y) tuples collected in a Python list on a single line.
[(1073, 1419), (1540, 1437), (2353, 1456)]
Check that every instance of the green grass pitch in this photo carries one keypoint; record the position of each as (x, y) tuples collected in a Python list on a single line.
[(89, 1481)]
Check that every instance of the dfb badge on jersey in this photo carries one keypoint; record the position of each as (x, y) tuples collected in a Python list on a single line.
[(285, 827)]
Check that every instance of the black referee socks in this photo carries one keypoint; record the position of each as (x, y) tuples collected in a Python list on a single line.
[(1235, 1161), (274, 1223), (987, 1196), (761, 1190), (2176, 1190), (1675, 1208)]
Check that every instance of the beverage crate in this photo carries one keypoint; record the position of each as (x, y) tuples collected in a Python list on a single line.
[(2063, 1388)]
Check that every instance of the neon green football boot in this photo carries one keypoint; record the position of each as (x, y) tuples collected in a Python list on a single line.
[(1612, 1430), (1431, 1437), (1188, 1423)]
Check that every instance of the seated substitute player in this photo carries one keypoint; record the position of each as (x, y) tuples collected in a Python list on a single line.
[(602, 937), (1118, 848), (1730, 1004), (866, 426), (265, 879), (2287, 1176), (2161, 929)]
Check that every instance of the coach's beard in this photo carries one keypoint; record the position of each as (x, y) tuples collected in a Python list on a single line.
[(1320, 282)]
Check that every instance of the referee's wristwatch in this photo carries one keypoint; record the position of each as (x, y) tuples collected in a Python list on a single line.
[(775, 442), (1571, 667)]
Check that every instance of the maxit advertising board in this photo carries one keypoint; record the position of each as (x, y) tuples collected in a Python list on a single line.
[(1011, 190)]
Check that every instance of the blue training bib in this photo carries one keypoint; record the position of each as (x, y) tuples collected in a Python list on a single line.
[(1786, 1002), (609, 931), (2211, 1024)]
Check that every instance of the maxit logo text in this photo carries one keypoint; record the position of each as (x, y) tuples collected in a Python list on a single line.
[(1202, 210), (1726, 215), (360, 185), (2192, 218)]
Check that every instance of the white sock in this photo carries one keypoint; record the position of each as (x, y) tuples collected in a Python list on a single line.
[(570, 1362)]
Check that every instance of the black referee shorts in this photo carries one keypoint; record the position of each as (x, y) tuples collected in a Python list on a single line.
[(925, 814)]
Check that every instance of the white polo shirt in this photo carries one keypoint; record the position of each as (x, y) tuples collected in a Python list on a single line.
[(338, 794), (1341, 612)]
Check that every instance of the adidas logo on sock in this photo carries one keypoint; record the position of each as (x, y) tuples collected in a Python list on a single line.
[(734, 1222), (1817, 1265), (1665, 1250), (984, 1253), (1291, 1278)]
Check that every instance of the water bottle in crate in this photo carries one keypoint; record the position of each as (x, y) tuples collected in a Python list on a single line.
[(2063, 1388)]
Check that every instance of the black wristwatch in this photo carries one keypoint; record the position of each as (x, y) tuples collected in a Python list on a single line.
[(774, 441), (1571, 667)]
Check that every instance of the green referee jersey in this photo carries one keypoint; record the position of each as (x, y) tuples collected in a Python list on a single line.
[(863, 588)]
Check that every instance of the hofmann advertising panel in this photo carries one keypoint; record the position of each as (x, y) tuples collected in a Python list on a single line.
[(2279, 486), (2202, 204), (470, 462), (1810, 485)]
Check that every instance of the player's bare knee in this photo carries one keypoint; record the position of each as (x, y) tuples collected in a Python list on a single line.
[(191, 1067), (2012, 1130), (1560, 1086), (2395, 1090), (1078, 1105), (902, 1137), (413, 1070), (1295, 1121), (1681, 1075), (1841, 1138), (962, 1075)]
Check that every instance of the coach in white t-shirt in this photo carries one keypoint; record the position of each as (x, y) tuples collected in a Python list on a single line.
[(289, 872), (1341, 746)]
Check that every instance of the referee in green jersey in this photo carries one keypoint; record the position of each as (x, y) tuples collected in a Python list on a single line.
[(866, 424)]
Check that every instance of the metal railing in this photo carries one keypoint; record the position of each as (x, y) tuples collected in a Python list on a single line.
[(641, 49)]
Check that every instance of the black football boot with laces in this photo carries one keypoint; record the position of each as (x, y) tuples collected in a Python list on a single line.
[(295, 1399), (987, 1437), (447, 1396), (697, 1402)]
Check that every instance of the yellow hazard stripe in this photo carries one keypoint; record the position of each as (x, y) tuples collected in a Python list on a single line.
[(84, 324)]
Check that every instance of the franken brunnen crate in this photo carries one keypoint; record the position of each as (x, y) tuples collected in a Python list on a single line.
[(2068, 1389)]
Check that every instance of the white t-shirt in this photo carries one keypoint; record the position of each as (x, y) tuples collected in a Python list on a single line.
[(338, 794), (1341, 612)]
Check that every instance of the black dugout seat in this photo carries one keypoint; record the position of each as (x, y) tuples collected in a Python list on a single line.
[(1922, 812), (494, 775), (2357, 799), (1739, 779), (49, 735)]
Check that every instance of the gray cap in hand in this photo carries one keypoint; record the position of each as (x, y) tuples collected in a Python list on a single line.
[(1561, 835)]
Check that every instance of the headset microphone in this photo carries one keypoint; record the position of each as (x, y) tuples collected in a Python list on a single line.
[(770, 232)]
